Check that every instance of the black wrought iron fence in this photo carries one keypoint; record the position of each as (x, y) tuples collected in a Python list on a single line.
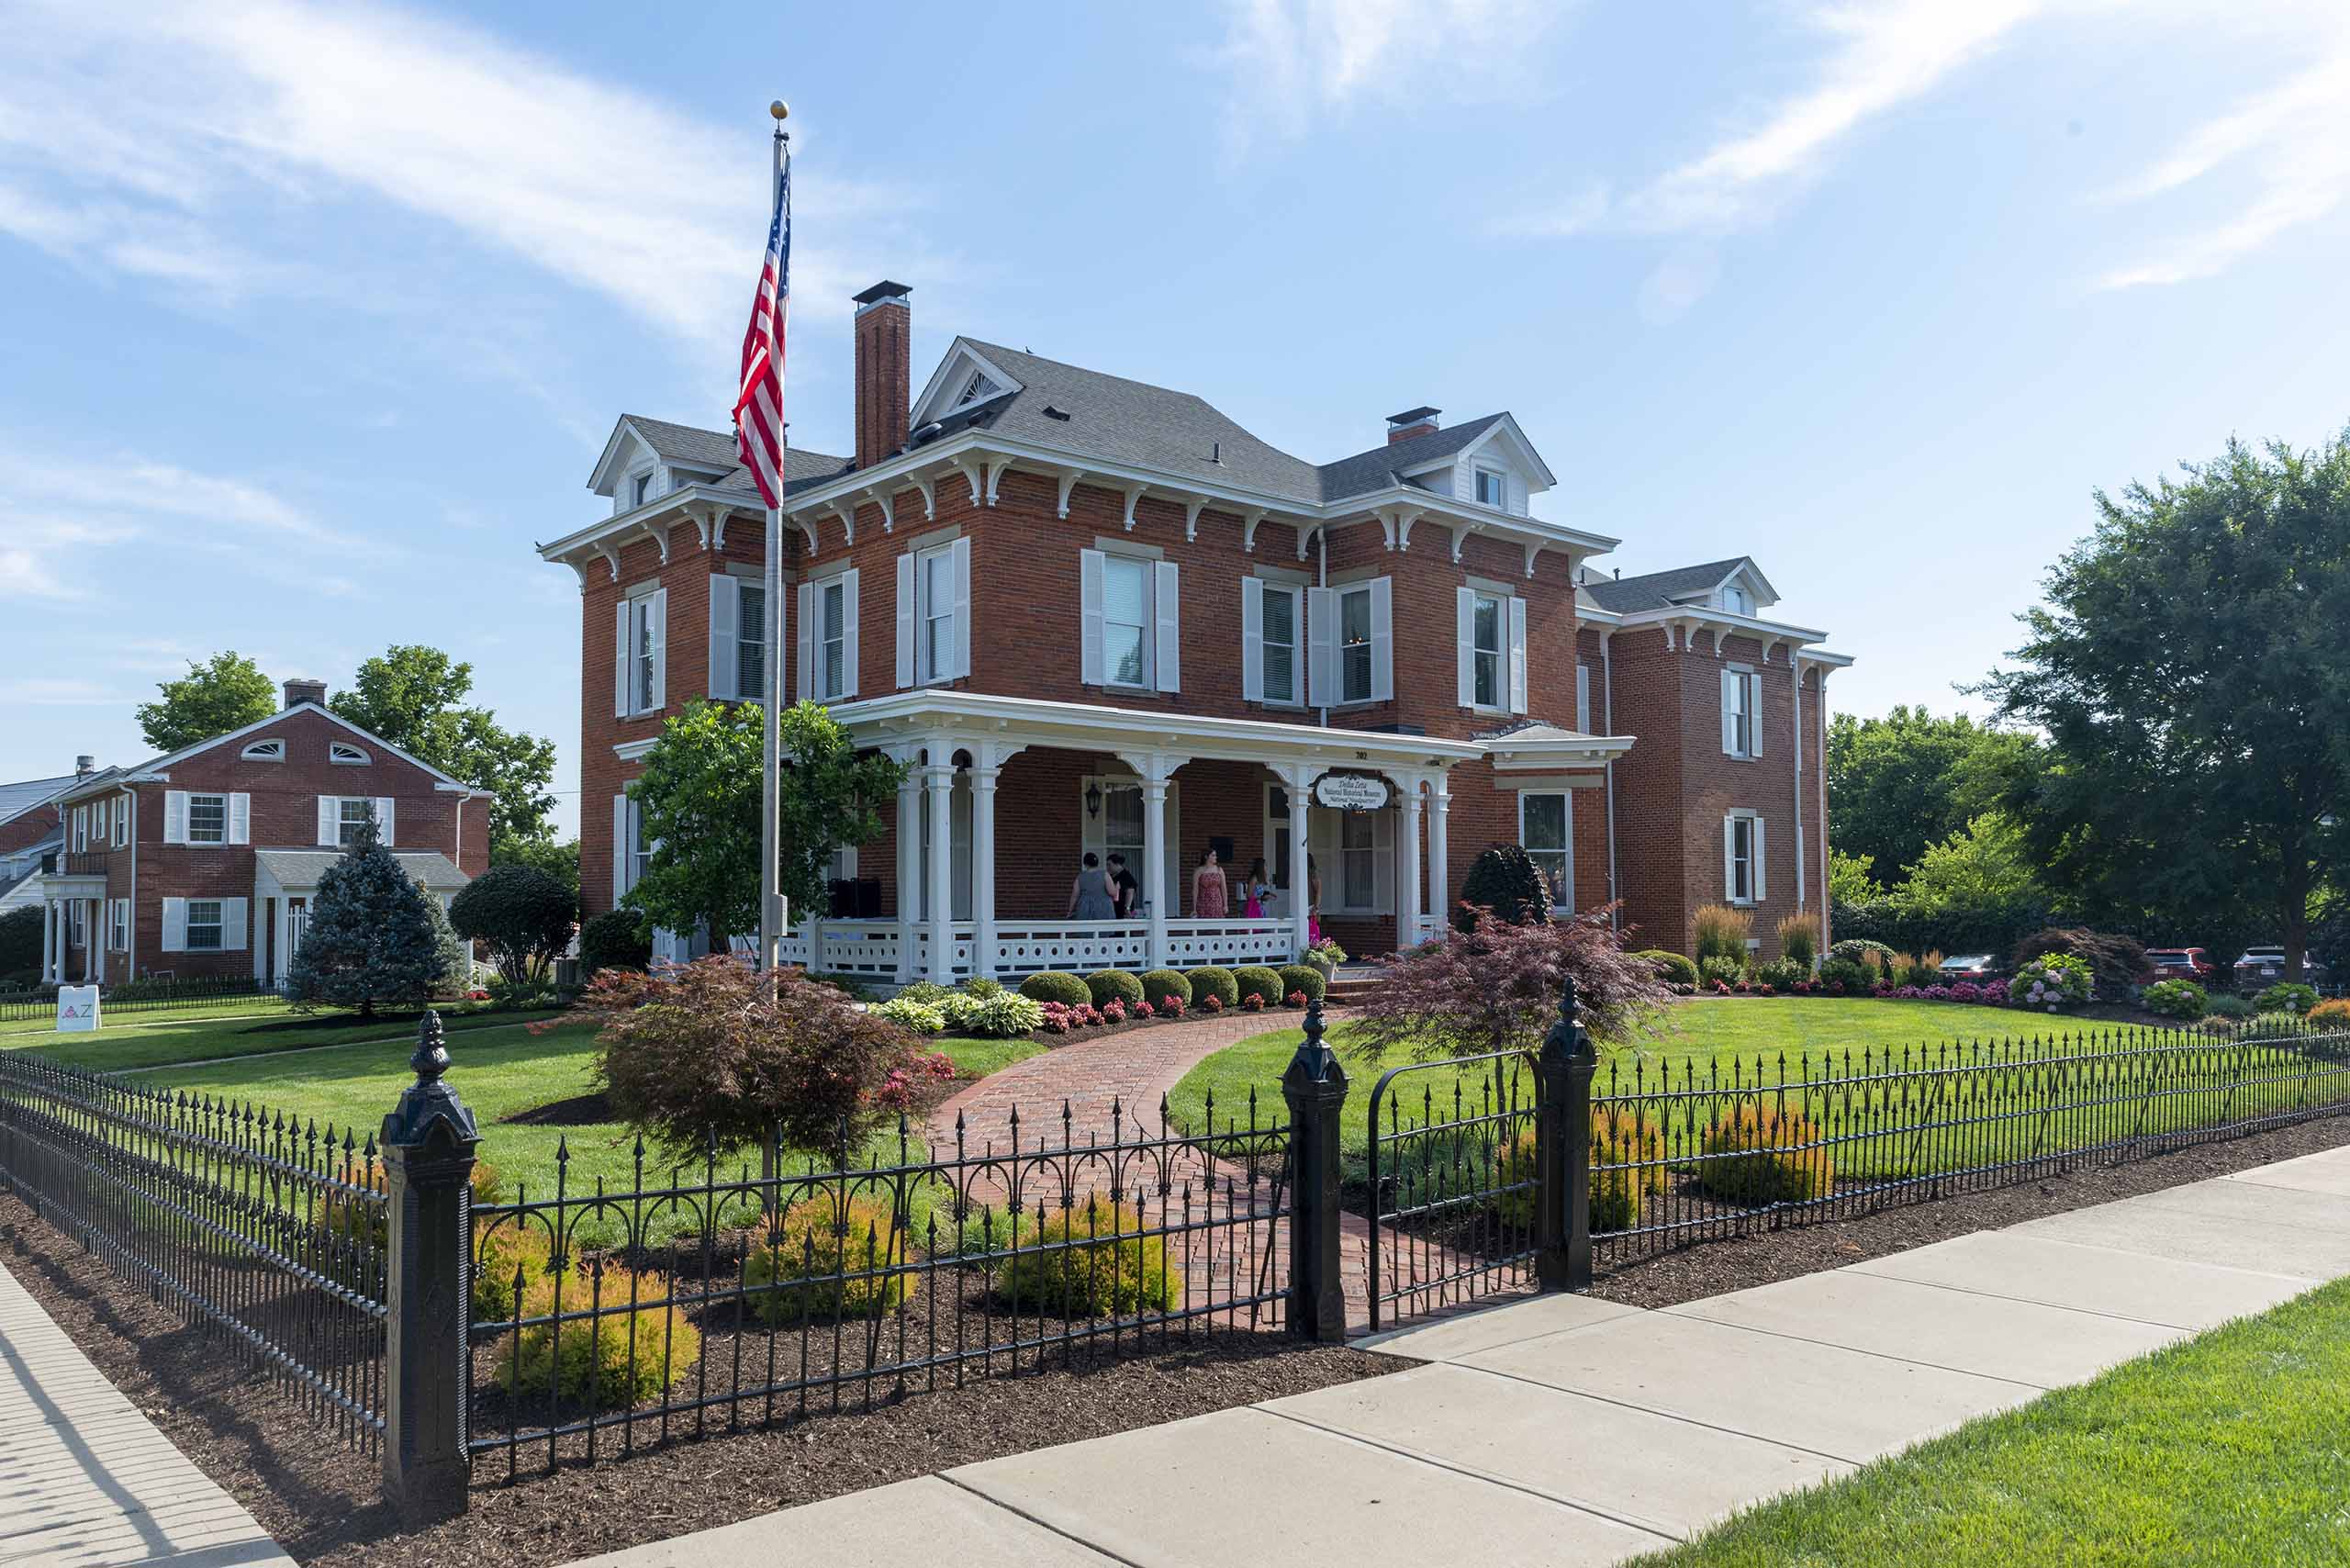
[(1452, 1182), (1690, 1154), (266, 1232), (141, 998)]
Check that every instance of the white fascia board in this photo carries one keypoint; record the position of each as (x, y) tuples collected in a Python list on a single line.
[(1483, 519), (601, 479), (560, 552), (1512, 755), (1508, 423), (153, 772), (958, 355), (1701, 616), (1588, 612), (1822, 656), (98, 783), (1764, 592)]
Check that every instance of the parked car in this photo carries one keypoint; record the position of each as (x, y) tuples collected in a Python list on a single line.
[(2181, 963), (2265, 966), (1975, 967)]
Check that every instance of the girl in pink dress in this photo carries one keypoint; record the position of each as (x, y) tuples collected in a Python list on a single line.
[(1210, 898), (1256, 889)]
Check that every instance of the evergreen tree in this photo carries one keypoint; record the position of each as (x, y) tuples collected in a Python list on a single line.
[(373, 934)]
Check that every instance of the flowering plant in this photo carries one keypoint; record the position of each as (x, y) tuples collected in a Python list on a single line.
[(476, 995), (1766, 989), (2054, 982), (1170, 1007), (1294, 999), (1253, 1002), (904, 1090), (1215, 1004), (1114, 1010)]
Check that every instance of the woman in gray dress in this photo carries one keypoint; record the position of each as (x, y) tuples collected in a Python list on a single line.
[(1089, 897)]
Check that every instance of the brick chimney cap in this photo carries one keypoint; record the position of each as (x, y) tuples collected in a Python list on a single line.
[(1414, 416), (884, 290)]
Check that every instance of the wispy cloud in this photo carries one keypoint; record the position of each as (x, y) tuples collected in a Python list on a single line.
[(277, 104), (1291, 59)]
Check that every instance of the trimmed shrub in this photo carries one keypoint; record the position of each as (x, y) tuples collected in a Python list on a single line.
[(912, 1013), (1618, 1138), (2287, 996), (1761, 1152), (1004, 1016), (1160, 984), (511, 1248), (2115, 961), (1057, 985), (1106, 986), (1846, 972), (822, 1263), (2333, 1015), (982, 987), (1255, 980), (1295, 977), (525, 916), (2179, 999), (1799, 939), (1720, 968), (1783, 974), (2057, 981), (1091, 1261), (1505, 879), (2219, 1026), (1721, 933), (1215, 981), (620, 1357), (1870, 956), (1671, 968), (2231, 1007), (613, 940), (20, 940)]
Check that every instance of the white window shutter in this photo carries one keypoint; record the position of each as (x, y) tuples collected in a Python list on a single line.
[(1760, 891), (660, 648), (1322, 636), (1729, 858), (619, 847), (1383, 639), (1383, 859), (848, 633), (905, 619), (1252, 639), (383, 818), (240, 818), (175, 926), (175, 816), (1169, 663), (620, 664), (1464, 637), (960, 568), (1089, 605), (1583, 698), (805, 669), (1730, 712), (327, 817), (1753, 715), (1517, 675), (726, 631), (232, 925)]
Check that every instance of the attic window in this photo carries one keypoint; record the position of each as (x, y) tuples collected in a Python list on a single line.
[(639, 488), (265, 751), (345, 753), (977, 389), (1737, 601)]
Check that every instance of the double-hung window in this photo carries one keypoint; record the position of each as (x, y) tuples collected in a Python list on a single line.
[(642, 633), (1542, 828), (750, 641), (640, 488), (831, 639), (1125, 620), (1737, 601), (1492, 489), (351, 815), (1283, 619), (1742, 857), (1488, 671), (640, 848), (119, 925), (208, 820), (1358, 860), (1742, 689), (936, 572), (203, 925), (1354, 643)]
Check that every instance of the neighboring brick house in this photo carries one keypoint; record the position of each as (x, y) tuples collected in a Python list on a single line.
[(202, 863), (1111, 607), (28, 836)]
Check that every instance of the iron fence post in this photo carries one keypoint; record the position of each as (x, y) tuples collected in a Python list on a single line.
[(1314, 1085), (429, 1141), (1562, 1151)]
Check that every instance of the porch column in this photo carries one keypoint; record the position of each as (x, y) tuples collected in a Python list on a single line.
[(1408, 928), (1154, 768), (984, 772), (49, 941), (938, 778), (909, 848), (1296, 778), (1439, 876), (91, 944)]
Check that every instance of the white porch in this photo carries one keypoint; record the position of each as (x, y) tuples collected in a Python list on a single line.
[(71, 904)]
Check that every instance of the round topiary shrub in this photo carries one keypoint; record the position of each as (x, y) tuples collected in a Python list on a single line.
[(1764, 1152), (1105, 986), (1160, 984), (1505, 879), (2287, 996), (622, 1355), (1090, 1261), (522, 914), (1300, 977), (1057, 985), (2179, 999), (613, 941), (1671, 968), (2233, 1007), (822, 1263), (1618, 1138), (1264, 984), (1215, 979)]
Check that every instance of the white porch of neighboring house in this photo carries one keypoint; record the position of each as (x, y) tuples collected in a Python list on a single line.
[(68, 900), (959, 743), (285, 880)]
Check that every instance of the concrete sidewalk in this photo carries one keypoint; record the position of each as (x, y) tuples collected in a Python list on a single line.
[(85, 1480), (1567, 1430)]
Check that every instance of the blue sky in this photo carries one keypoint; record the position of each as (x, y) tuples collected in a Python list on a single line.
[(311, 320)]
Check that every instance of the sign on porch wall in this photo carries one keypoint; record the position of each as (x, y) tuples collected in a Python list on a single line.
[(1351, 792), (77, 1009)]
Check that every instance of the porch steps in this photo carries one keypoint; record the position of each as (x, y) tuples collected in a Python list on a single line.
[(1351, 985)]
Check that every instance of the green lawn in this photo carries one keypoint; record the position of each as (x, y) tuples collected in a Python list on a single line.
[(132, 1016), (141, 1043), (2224, 1452)]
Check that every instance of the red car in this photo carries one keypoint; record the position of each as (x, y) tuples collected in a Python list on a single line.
[(2181, 963)]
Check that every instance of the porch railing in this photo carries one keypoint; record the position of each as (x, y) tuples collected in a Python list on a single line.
[(871, 948)]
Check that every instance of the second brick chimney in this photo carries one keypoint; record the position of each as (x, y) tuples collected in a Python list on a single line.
[(1411, 423), (300, 691), (885, 331)]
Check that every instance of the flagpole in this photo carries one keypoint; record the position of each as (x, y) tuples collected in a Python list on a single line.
[(773, 913)]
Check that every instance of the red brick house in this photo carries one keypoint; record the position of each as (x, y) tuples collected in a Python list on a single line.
[(201, 863), (1097, 615)]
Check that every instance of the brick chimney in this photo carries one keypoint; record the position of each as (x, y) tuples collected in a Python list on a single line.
[(885, 331), (300, 691), (1411, 423)]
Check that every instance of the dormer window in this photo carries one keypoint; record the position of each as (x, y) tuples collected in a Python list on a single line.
[(1492, 489), (978, 390), (265, 751), (1738, 599), (640, 486), (349, 755)]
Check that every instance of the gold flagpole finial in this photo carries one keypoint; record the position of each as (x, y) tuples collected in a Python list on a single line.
[(780, 109)]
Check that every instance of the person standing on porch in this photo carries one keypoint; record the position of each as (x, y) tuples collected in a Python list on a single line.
[(1088, 896), (1210, 900), (1257, 889), (1126, 892)]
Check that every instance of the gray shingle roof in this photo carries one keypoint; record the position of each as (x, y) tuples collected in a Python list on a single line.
[(686, 444), (303, 868), (1382, 466), (1657, 590), (801, 469), (18, 796)]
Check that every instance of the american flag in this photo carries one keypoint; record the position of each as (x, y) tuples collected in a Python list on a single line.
[(758, 405)]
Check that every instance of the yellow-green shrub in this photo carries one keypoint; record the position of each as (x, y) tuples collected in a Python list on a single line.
[(1618, 1138), (1760, 1152), (623, 1355), (347, 1217), (502, 1251), (2331, 1014), (790, 1273), (1089, 1262)]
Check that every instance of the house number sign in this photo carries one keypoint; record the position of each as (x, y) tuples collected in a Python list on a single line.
[(1351, 792)]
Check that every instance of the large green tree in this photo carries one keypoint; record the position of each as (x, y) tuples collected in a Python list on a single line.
[(2191, 670), (699, 791), (1986, 868), (1899, 783), (414, 696), (225, 693), (374, 936)]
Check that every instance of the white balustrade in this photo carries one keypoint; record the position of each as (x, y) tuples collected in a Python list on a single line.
[(1190, 943), (868, 948), (1078, 944)]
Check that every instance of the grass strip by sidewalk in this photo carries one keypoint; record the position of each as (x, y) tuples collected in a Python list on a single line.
[(135, 1047), (2229, 1449)]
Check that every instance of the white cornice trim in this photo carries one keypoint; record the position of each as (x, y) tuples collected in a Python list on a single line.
[(574, 546)]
